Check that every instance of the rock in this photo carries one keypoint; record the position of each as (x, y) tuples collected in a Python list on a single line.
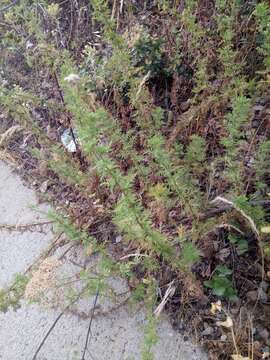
[(44, 186), (184, 106), (263, 296), (264, 285), (252, 295), (118, 239), (208, 331), (264, 334), (223, 337), (266, 349), (257, 108)]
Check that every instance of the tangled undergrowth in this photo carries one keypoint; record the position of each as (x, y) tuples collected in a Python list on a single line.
[(167, 108)]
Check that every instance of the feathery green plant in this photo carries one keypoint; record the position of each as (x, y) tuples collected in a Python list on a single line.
[(262, 166), (150, 331), (235, 121), (178, 178), (262, 12)]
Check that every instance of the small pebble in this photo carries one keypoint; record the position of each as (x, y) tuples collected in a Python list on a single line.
[(223, 337), (264, 285), (44, 186), (263, 296), (257, 108), (252, 295), (264, 334), (118, 239), (208, 331)]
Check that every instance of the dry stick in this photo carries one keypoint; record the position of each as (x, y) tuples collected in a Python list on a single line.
[(7, 7), (169, 293), (249, 220), (82, 315), (90, 325), (23, 227), (54, 324), (220, 210)]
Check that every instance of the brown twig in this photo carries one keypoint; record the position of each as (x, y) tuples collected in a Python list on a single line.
[(23, 227), (251, 223), (100, 313), (212, 212)]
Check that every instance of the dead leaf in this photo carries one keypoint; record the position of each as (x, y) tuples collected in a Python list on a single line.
[(265, 229), (240, 357), (228, 323), (215, 307), (89, 250)]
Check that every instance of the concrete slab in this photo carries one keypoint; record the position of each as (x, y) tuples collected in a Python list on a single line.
[(19, 250)]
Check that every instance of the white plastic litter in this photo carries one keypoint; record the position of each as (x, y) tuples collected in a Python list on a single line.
[(67, 140), (72, 78)]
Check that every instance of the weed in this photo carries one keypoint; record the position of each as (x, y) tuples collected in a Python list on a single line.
[(13, 294), (240, 243), (221, 284), (163, 116)]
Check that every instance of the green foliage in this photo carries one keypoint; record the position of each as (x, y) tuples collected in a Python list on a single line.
[(262, 166), (240, 110), (221, 284), (67, 169), (150, 331), (193, 27), (189, 255), (196, 151), (262, 12), (234, 121), (179, 178), (256, 213), (158, 117), (201, 77), (64, 225), (241, 245), (148, 55), (129, 215), (12, 295), (228, 56), (159, 192), (135, 223)]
